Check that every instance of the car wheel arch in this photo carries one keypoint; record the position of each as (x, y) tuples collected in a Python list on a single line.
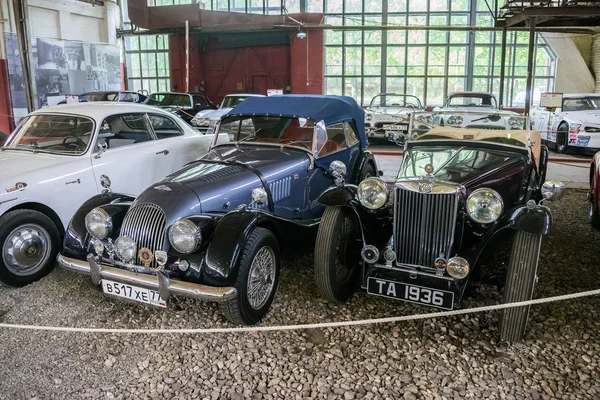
[(44, 209)]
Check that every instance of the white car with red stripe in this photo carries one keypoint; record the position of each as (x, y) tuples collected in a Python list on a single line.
[(576, 124)]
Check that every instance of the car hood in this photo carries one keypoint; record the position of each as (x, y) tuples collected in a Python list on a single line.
[(213, 114), (17, 164), (391, 110), (222, 180)]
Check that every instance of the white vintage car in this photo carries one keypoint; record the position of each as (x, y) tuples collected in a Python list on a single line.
[(462, 103), (390, 112), (203, 119), (58, 157), (575, 124)]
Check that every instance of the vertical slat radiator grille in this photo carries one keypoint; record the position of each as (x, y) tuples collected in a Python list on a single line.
[(424, 226), (145, 223)]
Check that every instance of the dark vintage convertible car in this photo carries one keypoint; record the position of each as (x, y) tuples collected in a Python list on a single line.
[(458, 192), (214, 229)]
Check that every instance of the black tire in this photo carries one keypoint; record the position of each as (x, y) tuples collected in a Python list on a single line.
[(367, 172), (337, 255), (594, 213), (562, 138), (520, 282), (34, 257), (239, 310)]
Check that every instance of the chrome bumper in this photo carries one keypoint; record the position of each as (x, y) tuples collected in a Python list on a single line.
[(159, 282)]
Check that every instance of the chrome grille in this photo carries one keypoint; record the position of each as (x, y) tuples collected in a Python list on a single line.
[(424, 223), (145, 223)]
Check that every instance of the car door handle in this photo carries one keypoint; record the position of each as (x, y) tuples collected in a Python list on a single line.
[(165, 152)]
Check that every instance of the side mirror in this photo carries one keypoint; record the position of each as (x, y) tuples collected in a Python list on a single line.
[(553, 190), (102, 146)]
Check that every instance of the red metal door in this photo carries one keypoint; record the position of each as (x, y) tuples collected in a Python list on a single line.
[(246, 70), (260, 84)]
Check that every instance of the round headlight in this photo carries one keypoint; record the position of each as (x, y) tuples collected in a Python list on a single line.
[(369, 117), (205, 121), (184, 236), (98, 223), (373, 193), (484, 205), (126, 248), (458, 267)]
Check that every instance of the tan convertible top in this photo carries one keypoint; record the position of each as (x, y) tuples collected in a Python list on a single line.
[(488, 135)]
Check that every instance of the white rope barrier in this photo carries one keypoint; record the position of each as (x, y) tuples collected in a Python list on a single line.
[(339, 324)]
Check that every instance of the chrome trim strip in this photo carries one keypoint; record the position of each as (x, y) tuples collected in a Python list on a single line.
[(172, 286), (414, 272)]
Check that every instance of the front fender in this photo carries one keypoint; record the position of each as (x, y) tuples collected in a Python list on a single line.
[(338, 195), (77, 238), (226, 246), (537, 220), (364, 158)]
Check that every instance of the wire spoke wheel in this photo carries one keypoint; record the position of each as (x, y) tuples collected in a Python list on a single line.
[(261, 278)]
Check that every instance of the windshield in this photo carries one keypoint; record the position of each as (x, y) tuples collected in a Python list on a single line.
[(472, 100), (232, 101), (451, 164), (61, 134), (289, 131), (581, 104), (396, 100), (111, 96), (497, 127), (169, 99)]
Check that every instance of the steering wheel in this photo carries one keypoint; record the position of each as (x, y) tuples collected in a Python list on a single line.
[(64, 142)]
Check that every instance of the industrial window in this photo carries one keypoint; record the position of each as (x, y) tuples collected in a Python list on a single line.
[(428, 64), (361, 63), (148, 63)]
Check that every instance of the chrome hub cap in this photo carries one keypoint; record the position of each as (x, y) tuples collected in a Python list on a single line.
[(261, 278), (26, 249)]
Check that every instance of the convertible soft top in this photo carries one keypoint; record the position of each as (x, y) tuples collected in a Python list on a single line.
[(330, 109)]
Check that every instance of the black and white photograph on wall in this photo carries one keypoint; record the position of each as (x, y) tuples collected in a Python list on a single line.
[(65, 67), (15, 76)]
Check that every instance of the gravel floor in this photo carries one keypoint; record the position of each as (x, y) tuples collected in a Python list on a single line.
[(448, 358)]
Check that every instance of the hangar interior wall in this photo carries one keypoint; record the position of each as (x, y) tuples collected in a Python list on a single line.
[(72, 47), (295, 65), (572, 72)]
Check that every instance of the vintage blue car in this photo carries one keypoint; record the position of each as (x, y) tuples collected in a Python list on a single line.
[(213, 230)]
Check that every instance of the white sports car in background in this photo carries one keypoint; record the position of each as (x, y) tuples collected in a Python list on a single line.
[(575, 124), (58, 157), (390, 112), (203, 119), (478, 102)]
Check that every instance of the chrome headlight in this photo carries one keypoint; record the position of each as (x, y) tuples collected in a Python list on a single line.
[(553, 190), (126, 248), (484, 205), (369, 117), (98, 223), (455, 119), (185, 236), (204, 121), (457, 267), (373, 193)]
